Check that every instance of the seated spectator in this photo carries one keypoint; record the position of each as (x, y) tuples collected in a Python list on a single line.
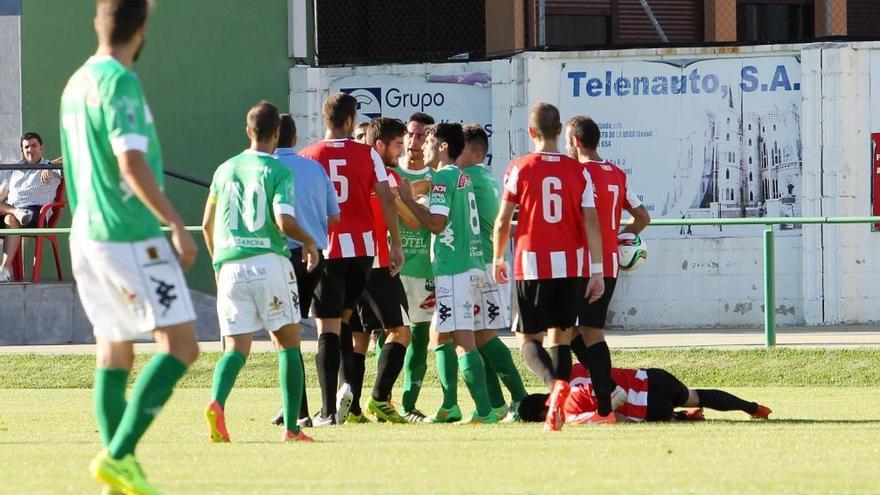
[(22, 194)]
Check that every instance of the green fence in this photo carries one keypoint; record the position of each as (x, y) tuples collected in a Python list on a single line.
[(769, 243)]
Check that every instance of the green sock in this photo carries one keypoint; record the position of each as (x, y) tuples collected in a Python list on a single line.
[(225, 373), (447, 368), (497, 356), (474, 373), (415, 364), (292, 379), (493, 386), (109, 400), (151, 390)]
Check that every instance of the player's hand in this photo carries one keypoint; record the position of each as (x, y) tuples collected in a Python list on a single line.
[(44, 176), (185, 246), (310, 256), (502, 273), (420, 187), (405, 190), (395, 259), (595, 288)]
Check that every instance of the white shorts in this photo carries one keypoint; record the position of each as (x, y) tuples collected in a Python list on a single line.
[(458, 297), (495, 301), (257, 293), (420, 295), (130, 288)]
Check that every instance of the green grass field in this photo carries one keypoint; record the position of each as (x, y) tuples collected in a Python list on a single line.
[(824, 438)]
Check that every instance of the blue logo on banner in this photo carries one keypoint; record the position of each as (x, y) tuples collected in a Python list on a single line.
[(369, 100)]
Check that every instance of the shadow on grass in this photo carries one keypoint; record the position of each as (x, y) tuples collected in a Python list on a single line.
[(792, 421)]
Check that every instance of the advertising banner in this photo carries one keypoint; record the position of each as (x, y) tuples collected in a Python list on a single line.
[(698, 139), (464, 97)]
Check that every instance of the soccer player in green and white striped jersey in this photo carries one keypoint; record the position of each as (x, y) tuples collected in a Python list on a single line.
[(129, 279), (249, 211)]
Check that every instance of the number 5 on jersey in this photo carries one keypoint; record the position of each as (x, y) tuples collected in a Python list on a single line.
[(340, 182)]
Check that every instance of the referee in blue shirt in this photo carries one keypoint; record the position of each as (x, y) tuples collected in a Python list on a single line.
[(316, 209)]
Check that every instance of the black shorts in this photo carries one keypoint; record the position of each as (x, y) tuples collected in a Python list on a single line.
[(594, 315), (35, 218), (306, 281), (384, 303), (340, 284), (665, 393), (548, 303)]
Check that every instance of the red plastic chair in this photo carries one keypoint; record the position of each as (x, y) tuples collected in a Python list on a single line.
[(18, 262)]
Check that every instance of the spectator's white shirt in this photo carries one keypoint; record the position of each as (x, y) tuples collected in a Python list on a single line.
[(25, 187)]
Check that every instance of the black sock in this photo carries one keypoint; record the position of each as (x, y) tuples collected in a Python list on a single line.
[(390, 364), (599, 364), (579, 348), (539, 361), (560, 356), (327, 362), (720, 400), (346, 349), (304, 405), (356, 380)]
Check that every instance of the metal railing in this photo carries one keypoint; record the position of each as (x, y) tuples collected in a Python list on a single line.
[(769, 271), (170, 173)]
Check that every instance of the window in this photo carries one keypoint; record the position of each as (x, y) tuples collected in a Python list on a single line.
[(750, 162), (750, 140), (774, 20), (751, 196), (577, 30), (750, 174), (727, 174)]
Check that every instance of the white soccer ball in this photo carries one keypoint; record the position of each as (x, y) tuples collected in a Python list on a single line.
[(632, 252)]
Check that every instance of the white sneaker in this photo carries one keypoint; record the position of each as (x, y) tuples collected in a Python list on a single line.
[(5, 275), (344, 398), (24, 217), (618, 397), (319, 421)]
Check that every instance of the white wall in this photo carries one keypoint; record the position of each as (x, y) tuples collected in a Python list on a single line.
[(10, 88), (824, 274)]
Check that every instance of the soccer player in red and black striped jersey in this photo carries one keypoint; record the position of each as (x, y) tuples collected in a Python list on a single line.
[(356, 171), (613, 195), (652, 394), (556, 216)]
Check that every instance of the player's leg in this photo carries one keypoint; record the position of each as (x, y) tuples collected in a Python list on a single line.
[(447, 372), (597, 355), (226, 371), (720, 400), (466, 295), (348, 373), (388, 300), (291, 378), (560, 351), (360, 336), (327, 307), (531, 325), (415, 363), (114, 362), (499, 359)]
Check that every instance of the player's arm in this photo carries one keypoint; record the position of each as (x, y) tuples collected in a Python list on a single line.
[(596, 283), (137, 175), (284, 216), (208, 223), (640, 216), (389, 211), (500, 236), (406, 215), (434, 222)]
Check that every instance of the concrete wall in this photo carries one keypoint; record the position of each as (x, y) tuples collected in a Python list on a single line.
[(10, 80)]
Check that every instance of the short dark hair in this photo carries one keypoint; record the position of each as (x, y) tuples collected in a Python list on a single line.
[(585, 129), (544, 118), (287, 132), (452, 135), (28, 136), (533, 408), (384, 129), (119, 20), (421, 118), (264, 119), (337, 108), (476, 137)]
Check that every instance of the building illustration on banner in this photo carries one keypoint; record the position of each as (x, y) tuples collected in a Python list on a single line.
[(750, 165)]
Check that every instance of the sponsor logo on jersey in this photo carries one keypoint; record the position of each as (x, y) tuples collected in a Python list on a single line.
[(550, 158), (463, 180), (439, 189), (369, 100), (447, 238)]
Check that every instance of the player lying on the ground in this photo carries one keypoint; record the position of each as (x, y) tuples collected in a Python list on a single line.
[(652, 395)]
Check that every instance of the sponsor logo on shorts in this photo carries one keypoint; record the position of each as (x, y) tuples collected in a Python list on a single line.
[(275, 304), (152, 253), (477, 310), (442, 291), (429, 285), (469, 309), (294, 298), (128, 296), (443, 312), (291, 278), (429, 303), (493, 311), (164, 291)]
